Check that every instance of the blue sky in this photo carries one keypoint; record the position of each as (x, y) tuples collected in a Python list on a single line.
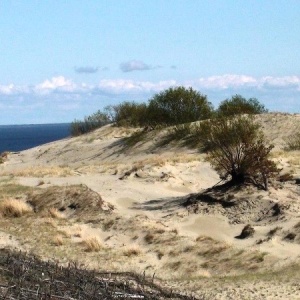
[(62, 60)]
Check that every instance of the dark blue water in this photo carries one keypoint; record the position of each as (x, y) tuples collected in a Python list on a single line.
[(21, 137)]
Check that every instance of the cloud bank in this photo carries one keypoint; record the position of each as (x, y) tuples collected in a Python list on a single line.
[(67, 99), (115, 86)]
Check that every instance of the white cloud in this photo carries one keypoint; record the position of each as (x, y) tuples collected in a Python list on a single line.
[(115, 86), (7, 89), (281, 82), (225, 81), (12, 89), (229, 81), (60, 94), (121, 86), (56, 83)]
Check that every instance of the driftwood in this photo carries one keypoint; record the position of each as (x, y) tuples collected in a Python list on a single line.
[(27, 277)]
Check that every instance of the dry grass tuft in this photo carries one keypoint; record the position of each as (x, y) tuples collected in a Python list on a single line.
[(293, 143), (273, 231), (3, 157), (41, 182), (203, 238), (51, 222), (297, 225), (58, 240), (14, 208), (149, 238), (77, 231), (212, 251), (92, 244), (160, 254), (132, 251), (55, 213)]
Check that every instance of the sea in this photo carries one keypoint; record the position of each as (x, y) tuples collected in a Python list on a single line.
[(15, 138)]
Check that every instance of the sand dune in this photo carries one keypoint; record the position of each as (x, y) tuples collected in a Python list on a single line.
[(154, 215)]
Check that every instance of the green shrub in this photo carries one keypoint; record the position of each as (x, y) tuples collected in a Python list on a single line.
[(237, 151), (90, 123), (177, 106), (130, 114), (239, 105)]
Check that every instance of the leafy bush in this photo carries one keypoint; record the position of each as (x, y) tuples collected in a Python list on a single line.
[(239, 105), (293, 143), (90, 123), (130, 114), (177, 106), (237, 151)]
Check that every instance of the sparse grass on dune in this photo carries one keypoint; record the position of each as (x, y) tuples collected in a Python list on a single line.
[(171, 252), (144, 163), (67, 222), (133, 250), (58, 240), (14, 208), (288, 160), (58, 171), (294, 158), (10, 189), (55, 213), (293, 143), (92, 244)]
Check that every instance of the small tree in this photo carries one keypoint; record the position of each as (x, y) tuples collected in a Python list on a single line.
[(237, 151), (178, 105), (240, 105)]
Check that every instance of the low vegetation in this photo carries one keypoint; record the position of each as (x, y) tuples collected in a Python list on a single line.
[(240, 105), (27, 277), (3, 157), (237, 150), (133, 250), (10, 189), (234, 142), (170, 107), (293, 143), (173, 106), (14, 208), (177, 106), (91, 122), (129, 114), (92, 244)]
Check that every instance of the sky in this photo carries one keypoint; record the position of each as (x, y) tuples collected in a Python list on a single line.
[(62, 60)]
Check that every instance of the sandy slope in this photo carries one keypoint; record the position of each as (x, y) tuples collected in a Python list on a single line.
[(147, 182)]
